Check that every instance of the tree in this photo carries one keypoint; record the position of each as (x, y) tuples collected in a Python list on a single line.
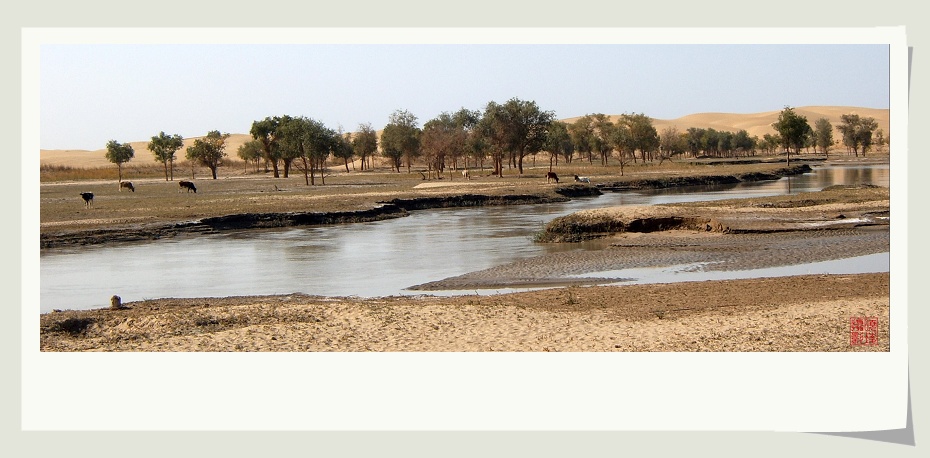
[(672, 143), (118, 153), (622, 141), (250, 151), (309, 142), (643, 135), (743, 143), (857, 132), (209, 151), (823, 135), (163, 147), (478, 141), (880, 139), (793, 129), (443, 137), (401, 138), (342, 147), (559, 143), (365, 143), (770, 143), (466, 121), (695, 143), (517, 127), (591, 134), (582, 134), (266, 132)]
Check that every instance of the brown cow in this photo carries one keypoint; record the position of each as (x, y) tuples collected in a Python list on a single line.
[(126, 184), (552, 176)]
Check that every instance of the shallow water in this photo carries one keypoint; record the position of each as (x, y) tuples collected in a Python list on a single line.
[(878, 262), (367, 259)]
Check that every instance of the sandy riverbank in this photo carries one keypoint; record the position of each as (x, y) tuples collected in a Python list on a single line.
[(803, 313)]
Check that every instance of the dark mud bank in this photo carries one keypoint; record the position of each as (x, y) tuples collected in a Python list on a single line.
[(396, 208), (669, 182)]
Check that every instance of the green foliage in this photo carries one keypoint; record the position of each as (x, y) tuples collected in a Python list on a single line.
[(305, 139), (119, 153), (823, 134), (250, 150), (857, 132), (266, 131), (793, 129), (672, 142), (401, 138), (444, 137), (517, 127), (643, 135), (593, 133), (342, 148), (559, 141), (163, 147), (365, 143), (209, 151)]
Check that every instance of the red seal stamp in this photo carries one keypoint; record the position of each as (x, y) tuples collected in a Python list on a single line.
[(863, 330)]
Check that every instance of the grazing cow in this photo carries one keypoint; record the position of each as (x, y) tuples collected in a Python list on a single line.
[(188, 185), (126, 184), (552, 176), (582, 179), (88, 198)]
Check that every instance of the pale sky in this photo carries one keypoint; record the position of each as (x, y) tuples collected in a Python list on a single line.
[(91, 93)]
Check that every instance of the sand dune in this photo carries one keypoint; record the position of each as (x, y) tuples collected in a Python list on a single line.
[(97, 158), (761, 123), (754, 123)]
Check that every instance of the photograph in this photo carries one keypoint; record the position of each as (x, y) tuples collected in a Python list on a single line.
[(464, 197), (465, 229)]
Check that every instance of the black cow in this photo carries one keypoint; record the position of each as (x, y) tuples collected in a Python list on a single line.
[(188, 185), (88, 198), (552, 176)]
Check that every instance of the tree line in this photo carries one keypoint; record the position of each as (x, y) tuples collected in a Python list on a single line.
[(500, 134)]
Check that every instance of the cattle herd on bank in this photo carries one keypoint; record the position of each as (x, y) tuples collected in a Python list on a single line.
[(190, 187), (88, 197)]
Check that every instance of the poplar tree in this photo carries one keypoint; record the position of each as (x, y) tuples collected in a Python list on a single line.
[(118, 153)]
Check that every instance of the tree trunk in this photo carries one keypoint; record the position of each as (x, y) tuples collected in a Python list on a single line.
[(306, 169)]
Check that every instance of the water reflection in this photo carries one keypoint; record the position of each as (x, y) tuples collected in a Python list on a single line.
[(371, 259)]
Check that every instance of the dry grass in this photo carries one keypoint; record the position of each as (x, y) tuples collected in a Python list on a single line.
[(157, 201)]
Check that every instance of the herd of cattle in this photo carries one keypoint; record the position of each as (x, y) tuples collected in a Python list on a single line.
[(190, 187), (183, 184)]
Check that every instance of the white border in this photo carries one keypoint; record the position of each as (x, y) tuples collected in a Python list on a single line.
[(465, 391)]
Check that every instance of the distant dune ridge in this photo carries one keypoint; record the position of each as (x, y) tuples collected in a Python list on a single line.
[(757, 124)]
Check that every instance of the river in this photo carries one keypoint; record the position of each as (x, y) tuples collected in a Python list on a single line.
[(374, 259)]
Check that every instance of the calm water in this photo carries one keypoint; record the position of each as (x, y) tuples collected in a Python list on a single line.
[(374, 259)]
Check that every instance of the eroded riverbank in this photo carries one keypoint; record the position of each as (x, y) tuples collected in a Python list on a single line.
[(368, 208)]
